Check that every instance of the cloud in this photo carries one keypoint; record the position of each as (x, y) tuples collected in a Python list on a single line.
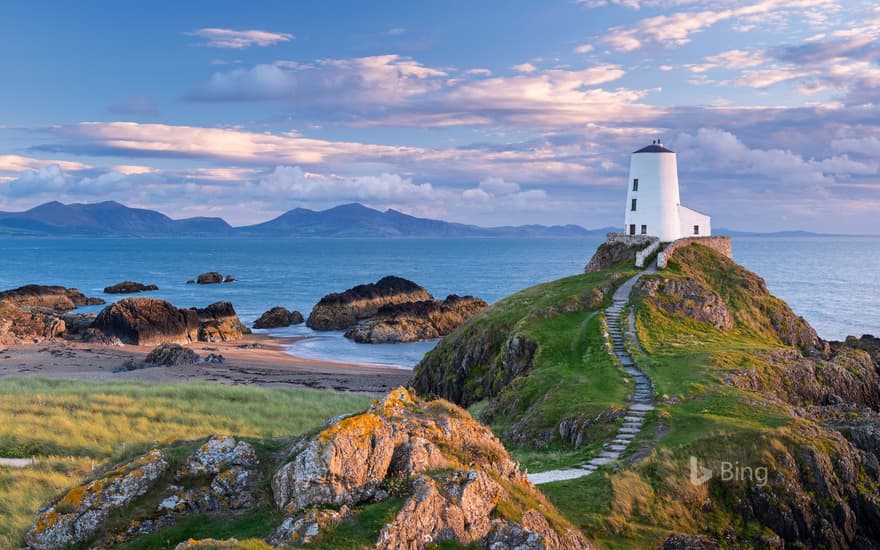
[(291, 182), (393, 90), (524, 68), (730, 59), (396, 31), (129, 169), (228, 38), (16, 163), (676, 29), (136, 105)]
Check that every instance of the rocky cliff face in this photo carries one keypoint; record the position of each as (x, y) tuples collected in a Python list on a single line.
[(453, 480), (57, 298), (340, 311), (610, 254), (147, 321), (414, 321)]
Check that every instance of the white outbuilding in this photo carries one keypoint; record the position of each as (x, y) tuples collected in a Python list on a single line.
[(653, 205)]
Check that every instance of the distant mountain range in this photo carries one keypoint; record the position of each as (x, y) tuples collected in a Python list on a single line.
[(349, 220)]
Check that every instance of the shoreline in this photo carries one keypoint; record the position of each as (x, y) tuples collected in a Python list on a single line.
[(257, 360)]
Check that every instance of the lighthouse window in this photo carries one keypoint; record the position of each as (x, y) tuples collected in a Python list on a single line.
[(696, 230), (644, 229), (633, 208), (635, 184)]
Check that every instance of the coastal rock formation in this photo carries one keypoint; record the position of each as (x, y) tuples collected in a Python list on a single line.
[(340, 311), (688, 298), (129, 287), (219, 323), (278, 317), (209, 278), (172, 355), (80, 513), (414, 321), (610, 254), (458, 473), (441, 478), (229, 279), (28, 325), (147, 321), (57, 298)]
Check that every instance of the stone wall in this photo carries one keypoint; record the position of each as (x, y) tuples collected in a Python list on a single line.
[(629, 240), (719, 244)]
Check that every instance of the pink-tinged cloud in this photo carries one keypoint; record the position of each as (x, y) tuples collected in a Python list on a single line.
[(229, 38), (16, 163)]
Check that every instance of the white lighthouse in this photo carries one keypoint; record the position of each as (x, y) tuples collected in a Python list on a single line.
[(653, 205)]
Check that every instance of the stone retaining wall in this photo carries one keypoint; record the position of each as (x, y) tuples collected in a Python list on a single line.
[(719, 244)]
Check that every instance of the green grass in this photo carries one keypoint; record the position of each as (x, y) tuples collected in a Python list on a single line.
[(73, 427)]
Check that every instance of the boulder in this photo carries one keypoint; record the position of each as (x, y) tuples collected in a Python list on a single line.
[(171, 355), (415, 321), (82, 511), (340, 311), (148, 322), (57, 298), (217, 453), (688, 298), (210, 278), (229, 279), (190, 281), (278, 317), (129, 287), (23, 325), (219, 323)]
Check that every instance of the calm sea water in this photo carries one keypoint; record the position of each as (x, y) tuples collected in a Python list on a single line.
[(831, 281)]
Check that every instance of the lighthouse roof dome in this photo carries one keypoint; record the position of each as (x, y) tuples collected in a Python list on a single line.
[(654, 148)]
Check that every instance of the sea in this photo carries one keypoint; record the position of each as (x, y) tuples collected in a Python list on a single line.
[(834, 282)]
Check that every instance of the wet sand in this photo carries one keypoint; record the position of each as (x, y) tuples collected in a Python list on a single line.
[(255, 360)]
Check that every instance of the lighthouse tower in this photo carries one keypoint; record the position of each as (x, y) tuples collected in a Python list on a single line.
[(653, 205)]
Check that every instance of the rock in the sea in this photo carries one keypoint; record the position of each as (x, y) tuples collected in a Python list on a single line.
[(172, 355), (458, 473), (28, 325), (190, 281), (210, 278), (57, 298), (148, 322), (278, 317), (414, 321), (339, 311), (229, 279), (82, 511), (220, 323), (129, 287)]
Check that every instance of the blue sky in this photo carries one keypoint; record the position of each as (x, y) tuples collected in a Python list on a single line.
[(480, 112)]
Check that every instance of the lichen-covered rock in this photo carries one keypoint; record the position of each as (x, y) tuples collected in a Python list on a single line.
[(340, 311), (80, 513), (129, 287), (689, 299), (209, 278), (302, 529), (148, 322), (57, 298), (415, 321), (459, 472), (171, 355), (216, 453), (680, 541), (278, 317), (507, 535)]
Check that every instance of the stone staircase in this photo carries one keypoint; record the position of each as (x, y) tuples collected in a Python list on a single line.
[(640, 403)]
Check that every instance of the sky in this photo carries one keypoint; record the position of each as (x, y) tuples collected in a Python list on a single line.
[(489, 112)]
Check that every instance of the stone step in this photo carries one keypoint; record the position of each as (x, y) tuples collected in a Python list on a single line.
[(625, 437), (616, 447), (633, 418), (641, 407), (629, 430), (600, 461), (621, 441), (632, 425)]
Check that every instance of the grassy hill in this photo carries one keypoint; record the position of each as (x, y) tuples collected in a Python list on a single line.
[(741, 380)]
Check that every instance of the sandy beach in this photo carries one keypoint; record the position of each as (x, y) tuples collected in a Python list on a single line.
[(256, 360)]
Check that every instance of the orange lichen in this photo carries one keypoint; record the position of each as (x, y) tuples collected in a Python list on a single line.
[(363, 423)]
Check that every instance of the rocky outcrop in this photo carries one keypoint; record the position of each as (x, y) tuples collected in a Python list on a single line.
[(340, 311), (610, 254), (171, 355), (210, 278), (687, 298), (80, 513), (57, 298), (147, 321), (129, 287), (20, 325), (302, 530), (681, 541), (219, 323), (278, 317), (459, 473), (415, 321)]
